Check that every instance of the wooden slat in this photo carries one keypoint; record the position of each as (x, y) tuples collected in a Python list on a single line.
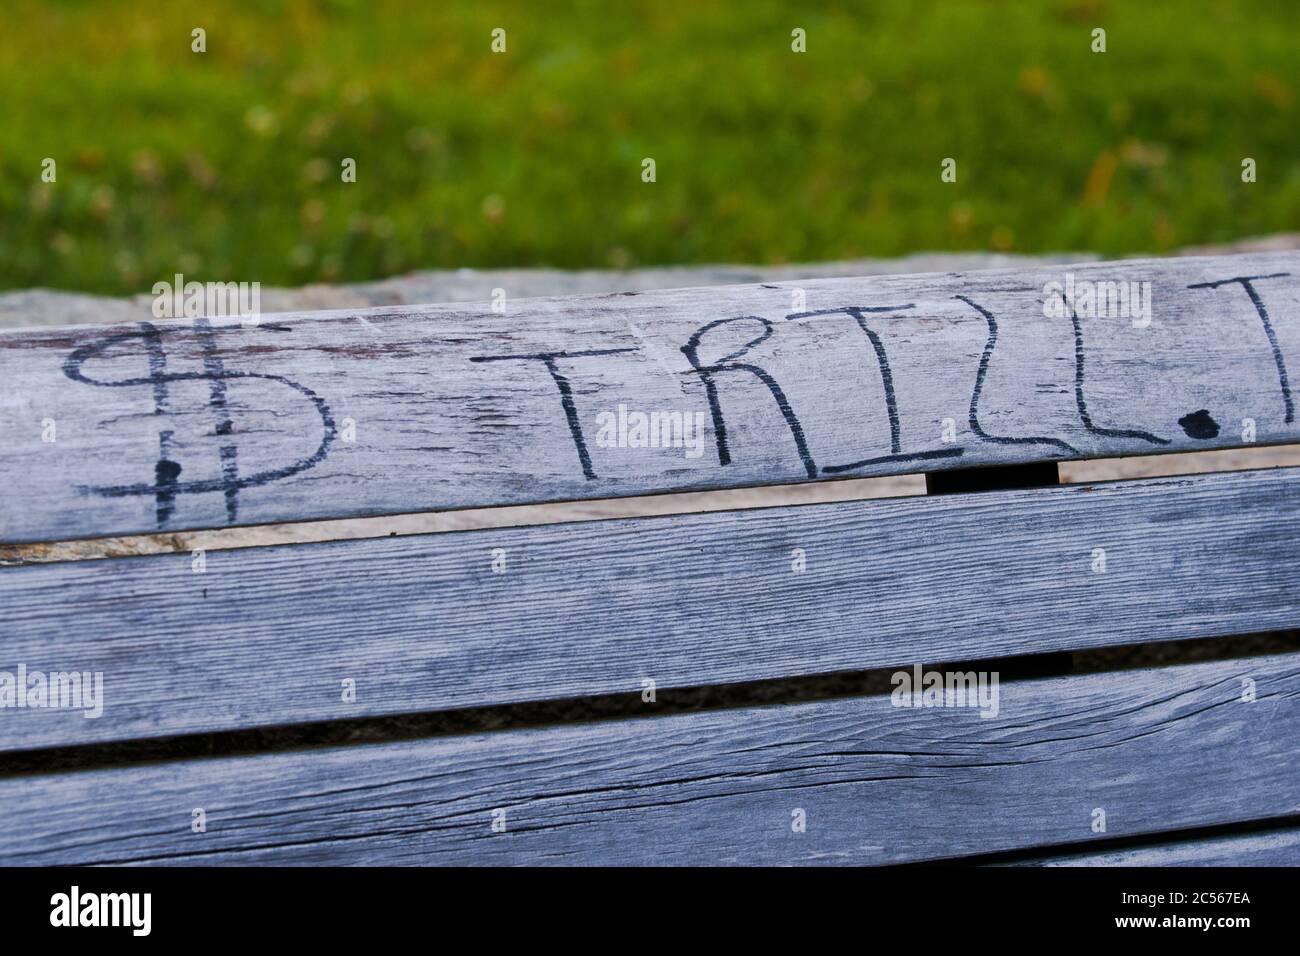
[(877, 783), (181, 425), (1274, 847), (266, 636)]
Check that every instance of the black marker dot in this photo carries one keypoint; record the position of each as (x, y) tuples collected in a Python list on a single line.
[(167, 472), (1199, 424)]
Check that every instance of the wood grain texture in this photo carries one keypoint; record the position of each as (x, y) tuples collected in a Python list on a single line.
[(1273, 847), (266, 635), (877, 783), (197, 424)]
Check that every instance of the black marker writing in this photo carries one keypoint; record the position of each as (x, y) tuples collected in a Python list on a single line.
[(1247, 283), (729, 364), (859, 315), (166, 485), (224, 426), (989, 345), (1082, 405), (566, 392)]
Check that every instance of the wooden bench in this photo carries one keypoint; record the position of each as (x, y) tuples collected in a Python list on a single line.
[(281, 704)]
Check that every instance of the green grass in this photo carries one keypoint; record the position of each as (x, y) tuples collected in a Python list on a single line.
[(226, 165)]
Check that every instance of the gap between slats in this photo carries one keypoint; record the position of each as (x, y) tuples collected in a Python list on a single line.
[(669, 701)]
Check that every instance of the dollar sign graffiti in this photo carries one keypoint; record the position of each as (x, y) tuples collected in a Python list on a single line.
[(167, 483)]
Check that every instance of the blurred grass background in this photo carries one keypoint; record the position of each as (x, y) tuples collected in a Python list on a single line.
[(226, 165)]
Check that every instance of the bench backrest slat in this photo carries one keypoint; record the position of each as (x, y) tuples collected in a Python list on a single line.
[(196, 424)]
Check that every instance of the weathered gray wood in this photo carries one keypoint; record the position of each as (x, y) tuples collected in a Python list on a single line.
[(182, 425), (1274, 847), (267, 635), (30, 307), (1156, 750)]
